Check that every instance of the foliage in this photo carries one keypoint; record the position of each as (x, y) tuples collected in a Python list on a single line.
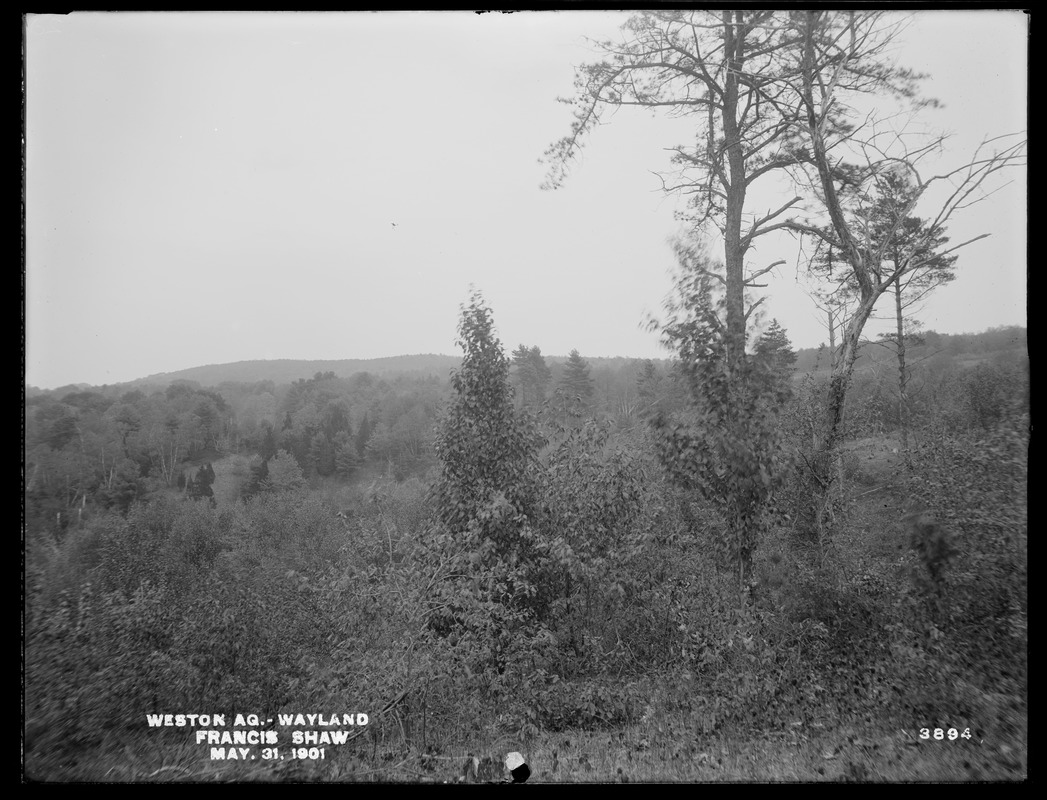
[(172, 607), (543, 590), (727, 448), (166, 543), (283, 474), (574, 380), (603, 505), (774, 350), (199, 485), (531, 375), (990, 394), (484, 500)]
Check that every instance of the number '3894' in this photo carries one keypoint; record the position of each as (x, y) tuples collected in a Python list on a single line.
[(939, 734)]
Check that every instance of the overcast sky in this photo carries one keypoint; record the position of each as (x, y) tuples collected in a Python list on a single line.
[(206, 188)]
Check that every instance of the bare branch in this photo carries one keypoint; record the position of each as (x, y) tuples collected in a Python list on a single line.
[(750, 278), (753, 307)]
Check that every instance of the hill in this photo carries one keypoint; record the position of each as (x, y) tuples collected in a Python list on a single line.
[(287, 370), (968, 347)]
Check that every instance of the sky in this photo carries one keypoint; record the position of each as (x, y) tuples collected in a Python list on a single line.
[(205, 188)]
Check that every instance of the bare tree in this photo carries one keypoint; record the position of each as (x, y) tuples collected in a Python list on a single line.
[(738, 74)]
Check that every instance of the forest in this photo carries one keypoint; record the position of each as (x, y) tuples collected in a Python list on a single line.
[(742, 562)]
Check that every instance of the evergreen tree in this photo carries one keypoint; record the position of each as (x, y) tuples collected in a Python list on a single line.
[(648, 387), (363, 434), (334, 419), (321, 454), (575, 388), (918, 253), (541, 373), (259, 475), (774, 350), (575, 380), (531, 375), (346, 460), (522, 370), (268, 447), (200, 485)]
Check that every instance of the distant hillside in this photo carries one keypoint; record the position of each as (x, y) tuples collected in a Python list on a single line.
[(287, 370), (967, 346), (964, 347)]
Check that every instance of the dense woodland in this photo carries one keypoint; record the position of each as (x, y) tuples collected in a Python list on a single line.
[(93, 449), (741, 562)]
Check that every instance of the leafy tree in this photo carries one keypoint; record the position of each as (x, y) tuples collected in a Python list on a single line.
[(91, 403), (988, 393), (128, 421), (120, 487), (208, 417), (380, 445), (727, 447), (62, 431), (484, 499), (166, 440), (483, 446), (180, 390), (284, 474)]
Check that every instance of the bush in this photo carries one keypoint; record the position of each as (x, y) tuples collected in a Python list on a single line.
[(96, 661), (168, 542), (149, 619)]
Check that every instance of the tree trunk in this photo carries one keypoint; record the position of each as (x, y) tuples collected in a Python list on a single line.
[(828, 457), (734, 252), (903, 417), (832, 338), (841, 378)]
